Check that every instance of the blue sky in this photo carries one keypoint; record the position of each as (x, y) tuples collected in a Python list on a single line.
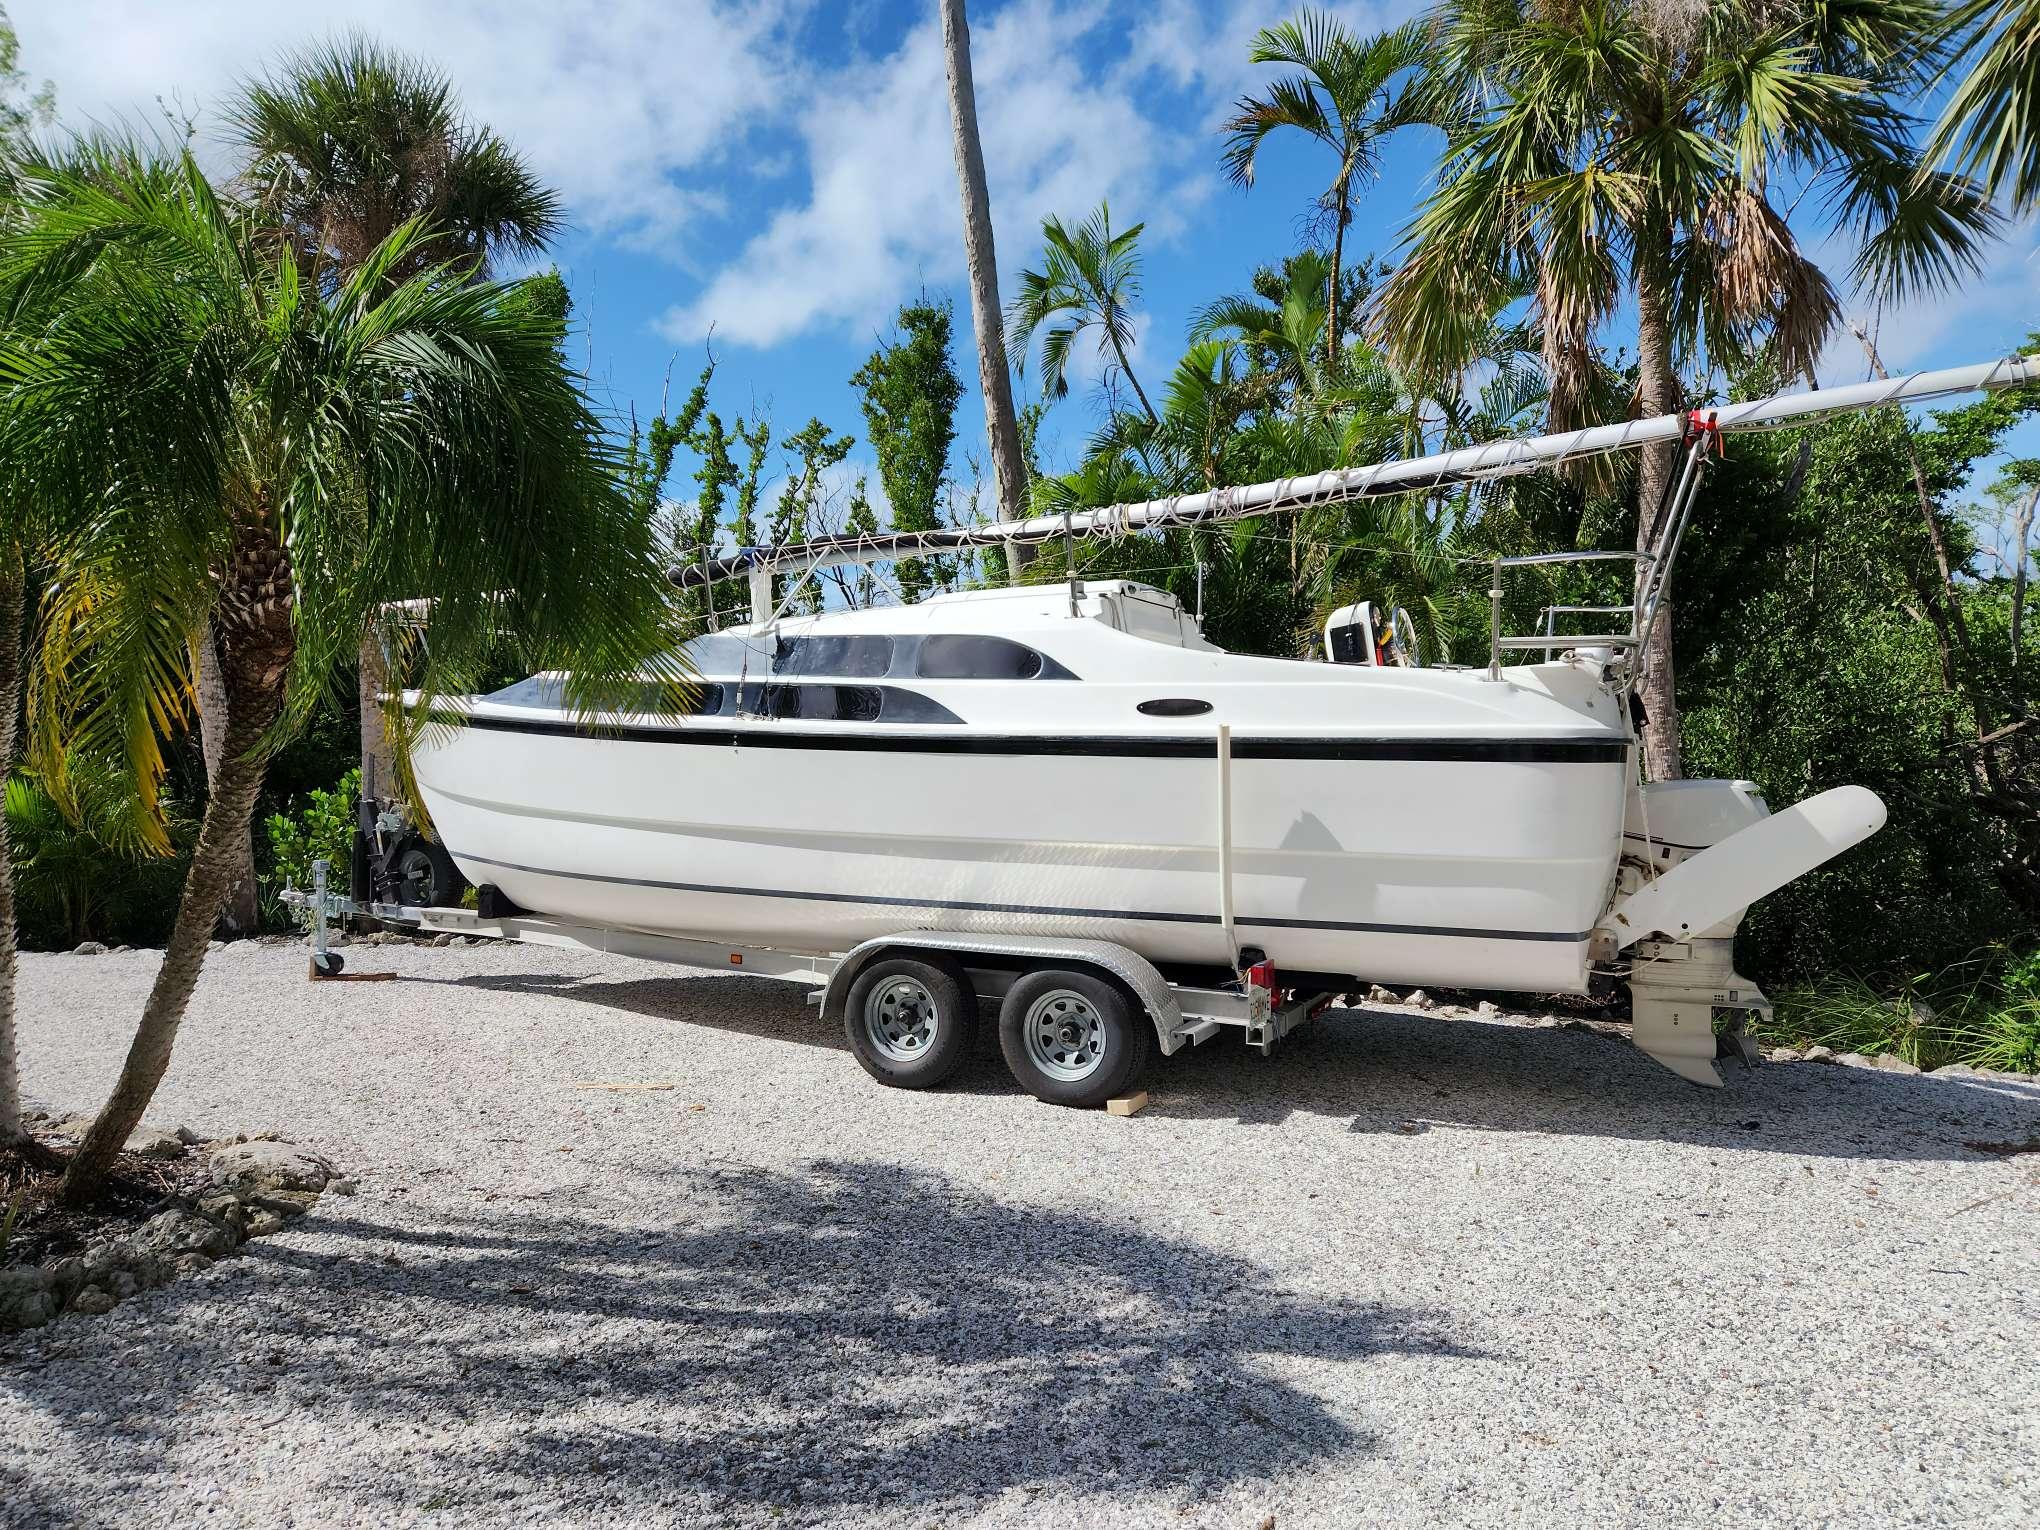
[(783, 170)]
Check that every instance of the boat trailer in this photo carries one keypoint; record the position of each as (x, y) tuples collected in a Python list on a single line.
[(1258, 1005)]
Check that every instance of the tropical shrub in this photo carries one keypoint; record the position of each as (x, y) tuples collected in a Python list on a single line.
[(320, 829), (82, 868)]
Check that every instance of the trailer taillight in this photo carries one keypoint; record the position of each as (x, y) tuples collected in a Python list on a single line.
[(1262, 975)]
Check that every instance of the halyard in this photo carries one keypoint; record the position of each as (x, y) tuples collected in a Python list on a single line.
[(1408, 1269)]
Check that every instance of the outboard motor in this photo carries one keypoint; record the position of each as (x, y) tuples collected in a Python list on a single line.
[(1363, 633), (1350, 634)]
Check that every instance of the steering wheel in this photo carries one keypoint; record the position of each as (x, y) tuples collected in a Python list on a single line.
[(1402, 631)]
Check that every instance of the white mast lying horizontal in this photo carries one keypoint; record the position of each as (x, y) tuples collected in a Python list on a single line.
[(1494, 459)]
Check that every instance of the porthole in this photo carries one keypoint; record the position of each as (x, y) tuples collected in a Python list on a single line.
[(1175, 706)]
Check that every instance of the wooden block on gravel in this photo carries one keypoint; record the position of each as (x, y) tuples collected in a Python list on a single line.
[(1127, 1104)]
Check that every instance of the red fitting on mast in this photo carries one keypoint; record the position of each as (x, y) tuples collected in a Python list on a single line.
[(1706, 422)]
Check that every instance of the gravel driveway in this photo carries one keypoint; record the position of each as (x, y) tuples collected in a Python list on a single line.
[(1405, 1271)]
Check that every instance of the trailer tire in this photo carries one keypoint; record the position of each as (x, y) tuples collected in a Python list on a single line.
[(1071, 1038), (910, 1022)]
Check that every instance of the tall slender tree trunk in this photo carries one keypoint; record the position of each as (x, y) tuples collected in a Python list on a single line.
[(1332, 287), (1127, 367), (2022, 537), (240, 915), (1658, 393), (1009, 468), (378, 760), (257, 645), (10, 702)]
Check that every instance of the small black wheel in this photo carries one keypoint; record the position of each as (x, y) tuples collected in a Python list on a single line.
[(911, 1022), (422, 875), (1072, 1039), (328, 964)]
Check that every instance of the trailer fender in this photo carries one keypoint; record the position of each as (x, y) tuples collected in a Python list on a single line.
[(1129, 968)]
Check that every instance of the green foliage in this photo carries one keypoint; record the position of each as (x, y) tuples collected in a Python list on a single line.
[(1089, 280), (910, 389), (812, 450), (1983, 1011), (1807, 661), (348, 141), (1620, 156), (1990, 127), (321, 828), (83, 869)]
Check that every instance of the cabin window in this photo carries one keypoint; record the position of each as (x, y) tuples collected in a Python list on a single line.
[(898, 706), (857, 657), (972, 656), (546, 691), (850, 703)]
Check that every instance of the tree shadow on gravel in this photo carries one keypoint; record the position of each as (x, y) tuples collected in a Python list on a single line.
[(853, 1336)]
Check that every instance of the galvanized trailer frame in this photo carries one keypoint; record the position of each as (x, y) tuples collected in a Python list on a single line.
[(1183, 1014)]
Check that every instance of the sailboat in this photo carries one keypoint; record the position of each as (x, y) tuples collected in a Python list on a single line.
[(1076, 762)]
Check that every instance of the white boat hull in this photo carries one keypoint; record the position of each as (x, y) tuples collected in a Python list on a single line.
[(1475, 873)]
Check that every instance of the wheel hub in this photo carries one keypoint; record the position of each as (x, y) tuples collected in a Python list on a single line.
[(1065, 1035), (900, 1019)]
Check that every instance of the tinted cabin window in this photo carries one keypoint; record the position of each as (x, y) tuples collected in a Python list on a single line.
[(824, 703), (844, 703), (539, 691), (966, 656), (858, 657), (550, 691)]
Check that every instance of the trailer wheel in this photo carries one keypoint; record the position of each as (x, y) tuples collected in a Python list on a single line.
[(423, 875), (910, 1022), (1072, 1039)]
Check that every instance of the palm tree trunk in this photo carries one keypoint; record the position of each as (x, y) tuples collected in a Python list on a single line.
[(10, 700), (1332, 288), (987, 318), (378, 760), (1138, 391), (257, 645), (240, 915), (1658, 393), (2022, 535)]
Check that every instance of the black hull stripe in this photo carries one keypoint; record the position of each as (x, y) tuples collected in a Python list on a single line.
[(1595, 749), (953, 905)]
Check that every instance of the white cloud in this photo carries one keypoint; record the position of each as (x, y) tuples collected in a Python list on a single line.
[(883, 207), (1989, 314), (613, 103)]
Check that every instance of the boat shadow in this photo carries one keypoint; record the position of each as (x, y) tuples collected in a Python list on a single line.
[(1405, 1073), (847, 1336), (1408, 1074)]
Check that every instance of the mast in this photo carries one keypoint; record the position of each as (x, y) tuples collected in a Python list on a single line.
[(1471, 464)]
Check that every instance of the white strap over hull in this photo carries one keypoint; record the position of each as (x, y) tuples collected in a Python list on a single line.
[(1494, 459)]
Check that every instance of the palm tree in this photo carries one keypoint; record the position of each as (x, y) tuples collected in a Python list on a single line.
[(1090, 279), (1344, 97), (201, 424), (1990, 128), (349, 140), (23, 110), (1616, 152), (346, 142), (1002, 430)]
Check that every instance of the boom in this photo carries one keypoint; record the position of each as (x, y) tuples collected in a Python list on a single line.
[(1472, 464)]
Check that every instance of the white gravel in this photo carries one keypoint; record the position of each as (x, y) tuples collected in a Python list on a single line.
[(1408, 1270)]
